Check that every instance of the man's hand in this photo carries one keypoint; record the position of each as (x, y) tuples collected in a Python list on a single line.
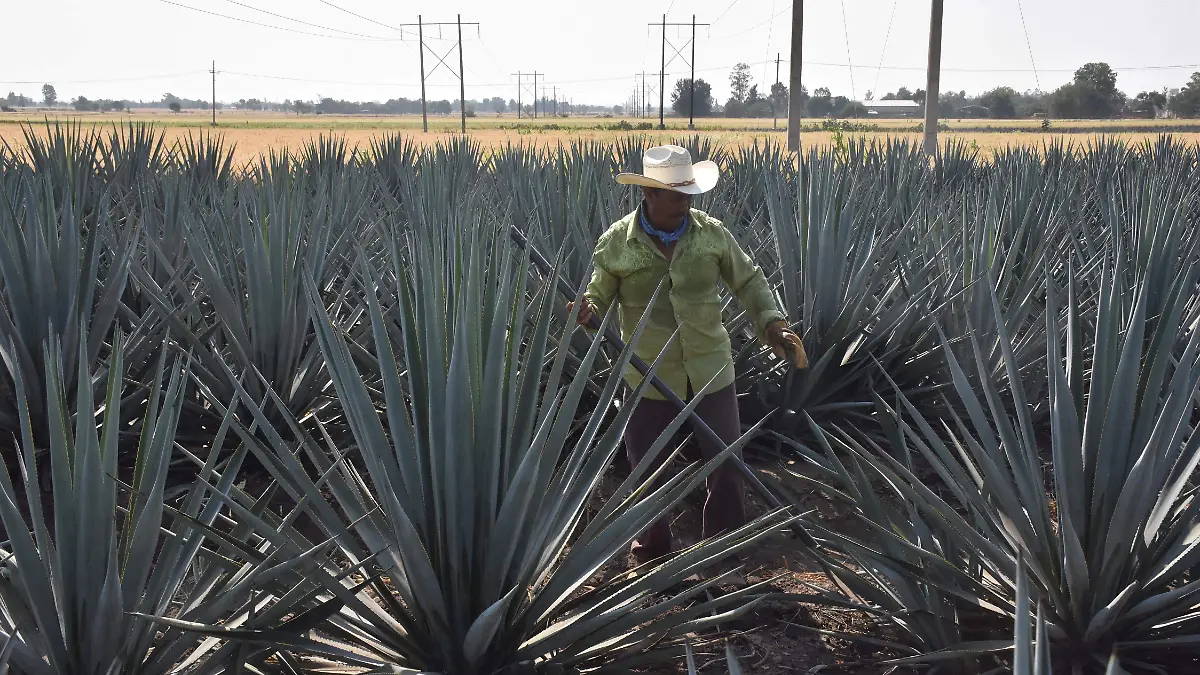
[(585, 312), (786, 344)]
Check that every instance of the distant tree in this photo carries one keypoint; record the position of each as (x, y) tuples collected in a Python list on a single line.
[(301, 107), (82, 104), (1148, 103), (175, 107), (617, 110), (1092, 94), (854, 109), (441, 107), (779, 98), (919, 96), (821, 103), (1000, 102), (681, 98), (739, 82), (735, 108), (869, 96), (753, 96), (1187, 102), (499, 105), (49, 95), (19, 100)]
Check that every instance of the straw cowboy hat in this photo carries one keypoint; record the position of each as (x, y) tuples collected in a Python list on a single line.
[(669, 167)]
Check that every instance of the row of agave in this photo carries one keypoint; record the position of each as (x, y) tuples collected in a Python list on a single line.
[(1004, 378)]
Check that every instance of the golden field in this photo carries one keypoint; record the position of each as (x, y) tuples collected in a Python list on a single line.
[(254, 133)]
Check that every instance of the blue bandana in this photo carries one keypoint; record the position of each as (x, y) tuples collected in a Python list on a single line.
[(667, 238)]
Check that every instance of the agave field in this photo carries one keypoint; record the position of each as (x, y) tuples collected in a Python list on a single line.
[(327, 410)]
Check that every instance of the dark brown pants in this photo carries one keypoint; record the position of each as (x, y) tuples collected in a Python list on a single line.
[(724, 509)]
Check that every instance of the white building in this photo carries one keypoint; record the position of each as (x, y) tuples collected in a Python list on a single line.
[(894, 108)]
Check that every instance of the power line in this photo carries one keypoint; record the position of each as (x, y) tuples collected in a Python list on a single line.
[(757, 26), (849, 57), (883, 51), (109, 80), (770, 34), (1029, 45), (360, 16), (722, 15), (282, 28), (304, 23)]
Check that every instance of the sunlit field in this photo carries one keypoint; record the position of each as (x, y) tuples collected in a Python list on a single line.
[(256, 133)]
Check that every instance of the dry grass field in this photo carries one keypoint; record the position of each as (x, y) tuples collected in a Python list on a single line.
[(257, 132)]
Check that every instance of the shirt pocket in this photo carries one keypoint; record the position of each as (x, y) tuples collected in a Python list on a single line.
[(638, 285)]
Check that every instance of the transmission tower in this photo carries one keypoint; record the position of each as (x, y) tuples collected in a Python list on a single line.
[(662, 77), (441, 61)]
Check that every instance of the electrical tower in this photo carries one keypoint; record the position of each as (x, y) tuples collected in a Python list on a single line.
[(462, 85), (521, 87), (662, 76), (647, 82)]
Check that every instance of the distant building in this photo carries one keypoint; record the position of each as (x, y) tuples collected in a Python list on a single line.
[(894, 108)]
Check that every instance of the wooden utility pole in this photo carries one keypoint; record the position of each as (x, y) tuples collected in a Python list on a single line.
[(556, 101), (214, 93), (933, 79), (462, 77), (424, 107), (518, 94), (774, 112), (692, 95), (662, 76), (795, 103), (535, 95)]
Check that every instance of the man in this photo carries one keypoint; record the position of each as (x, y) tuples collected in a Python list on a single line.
[(665, 237)]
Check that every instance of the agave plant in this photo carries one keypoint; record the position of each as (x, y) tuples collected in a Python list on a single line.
[(1109, 545), (241, 298), (75, 573), (478, 553), (62, 268), (854, 296)]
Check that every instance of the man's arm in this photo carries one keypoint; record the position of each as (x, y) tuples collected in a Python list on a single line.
[(601, 290), (748, 283)]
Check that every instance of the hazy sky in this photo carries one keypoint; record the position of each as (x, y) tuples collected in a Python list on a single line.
[(139, 49)]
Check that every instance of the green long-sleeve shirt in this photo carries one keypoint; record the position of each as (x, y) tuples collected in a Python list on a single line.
[(628, 267)]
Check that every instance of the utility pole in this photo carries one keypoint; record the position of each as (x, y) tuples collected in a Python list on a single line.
[(424, 107), (214, 93), (535, 95), (692, 95), (774, 112), (556, 101), (933, 79), (795, 103), (662, 75), (462, 77), (462, 85), (518, 94)]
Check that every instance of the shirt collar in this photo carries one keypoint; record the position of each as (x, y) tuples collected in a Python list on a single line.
[(635, 225)]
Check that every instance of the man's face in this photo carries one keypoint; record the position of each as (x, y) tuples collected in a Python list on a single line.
[(666, 208)]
